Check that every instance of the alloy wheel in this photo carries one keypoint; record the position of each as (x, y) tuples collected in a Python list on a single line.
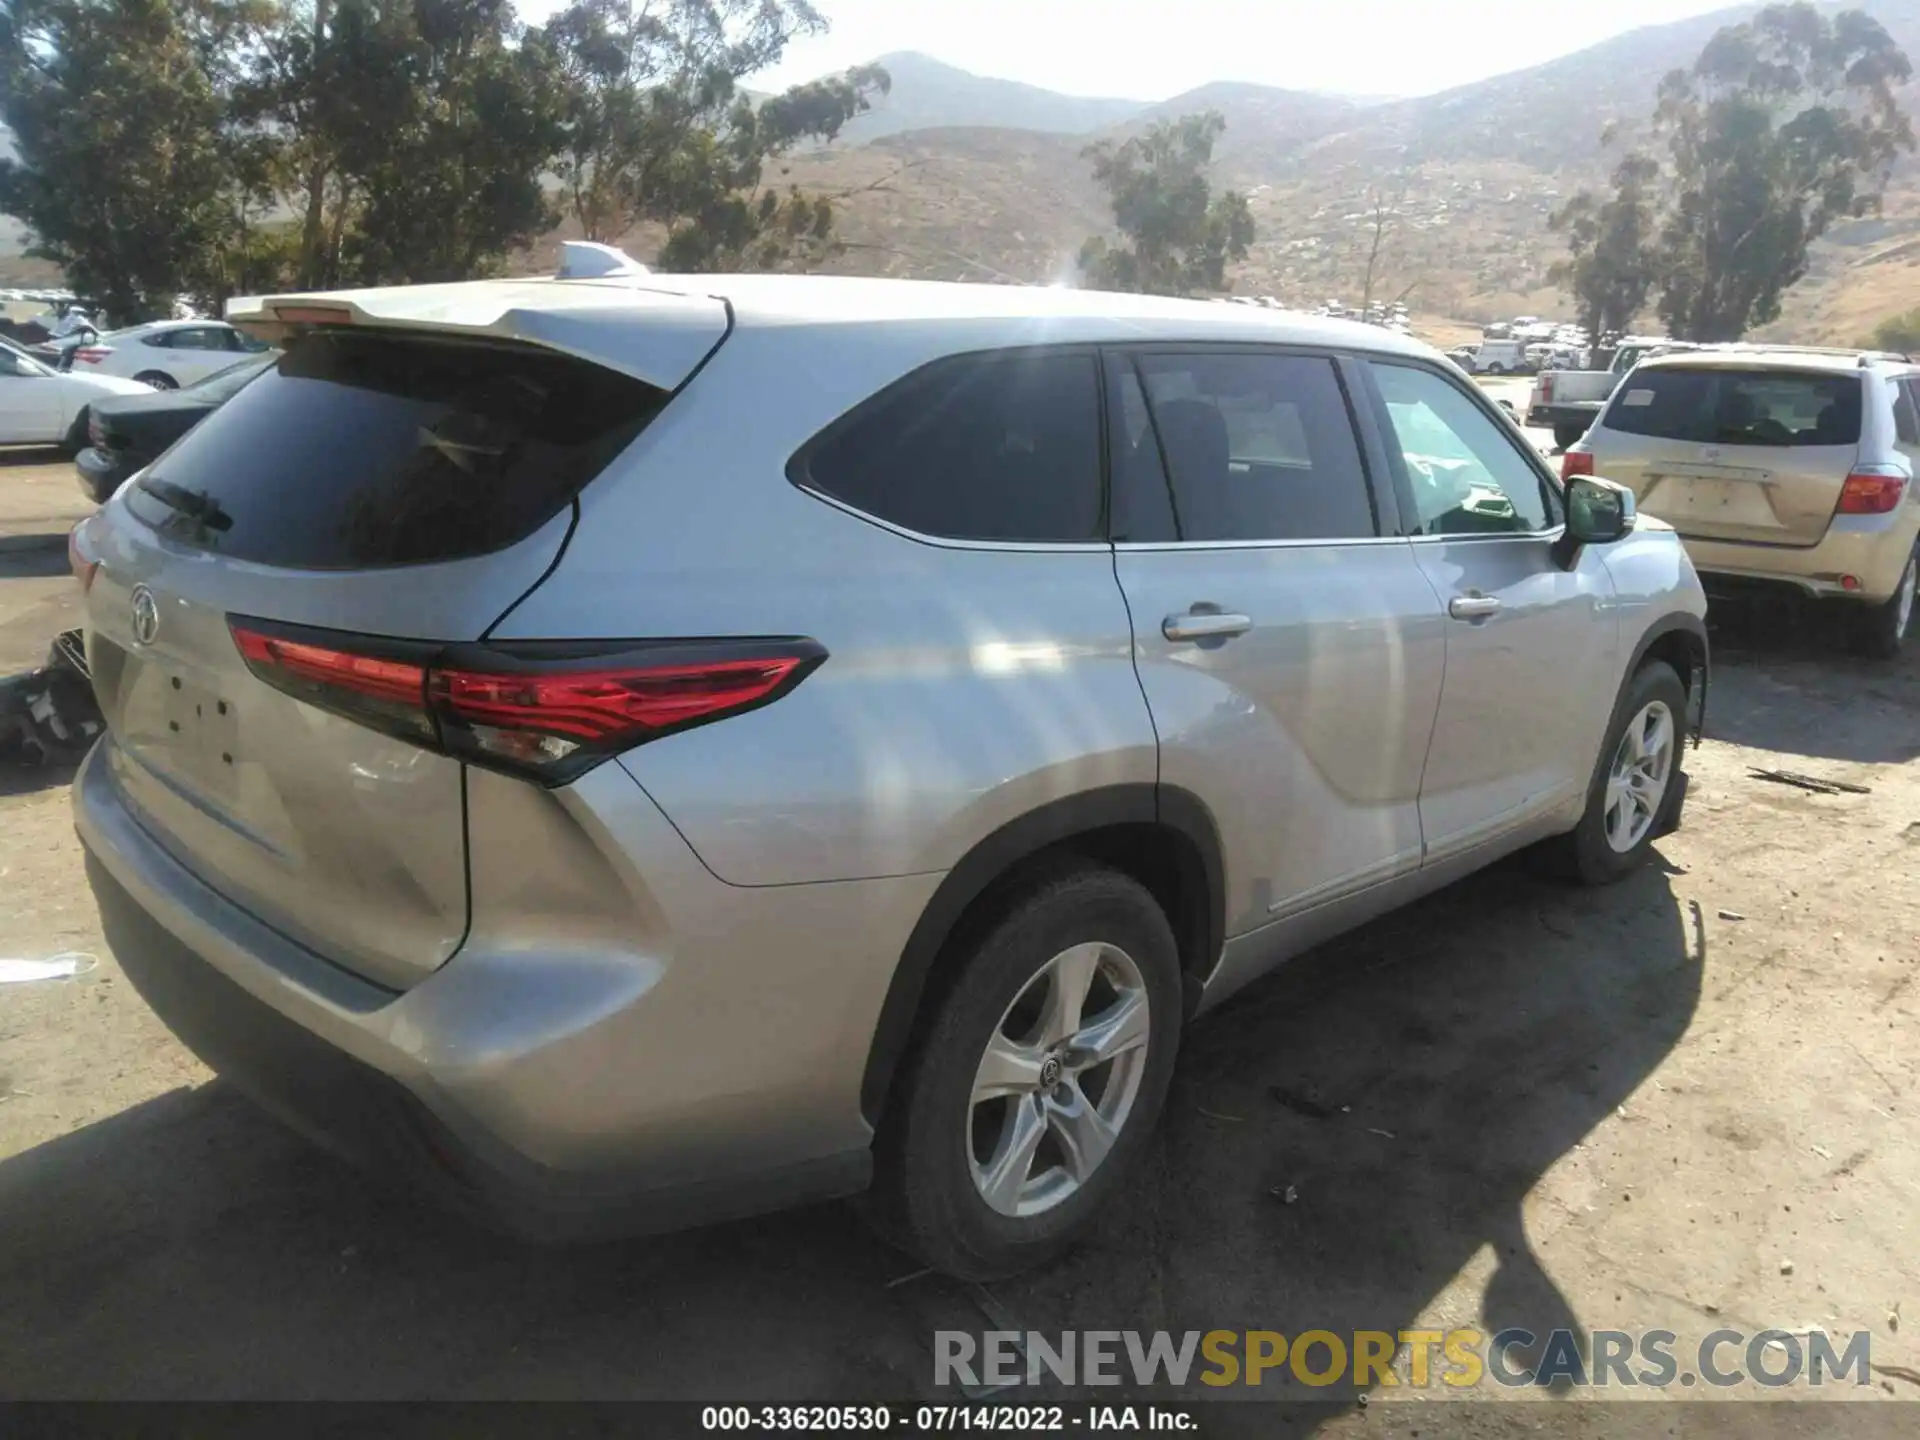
[(1058, 1079), (1642, 769)]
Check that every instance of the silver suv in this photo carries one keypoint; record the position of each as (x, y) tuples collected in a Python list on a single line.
[(1789, 468), (630, 751)]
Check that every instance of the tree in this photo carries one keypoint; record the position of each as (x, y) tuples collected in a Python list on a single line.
[(1786, 123), (132, 175), (657, 128), (1179, 235), (417, 133), (1897, 332), (1610, 266), (1383, 214)]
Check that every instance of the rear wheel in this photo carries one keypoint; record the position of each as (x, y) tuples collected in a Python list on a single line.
[(1883, 629), (1636, 783), (1496, 368), (1040, 1079), (158, 379)]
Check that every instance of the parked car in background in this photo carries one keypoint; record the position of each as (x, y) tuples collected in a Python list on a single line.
[(1791, 469), (400, 827), (126, 432), (165, 354), (1498, 357), (1566, 401), (41, 406)]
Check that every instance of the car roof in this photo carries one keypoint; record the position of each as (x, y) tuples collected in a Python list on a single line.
[(1782, 359), (1025, 314)]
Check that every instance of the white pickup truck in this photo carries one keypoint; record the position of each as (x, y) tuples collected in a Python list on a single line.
[(1568, 400)]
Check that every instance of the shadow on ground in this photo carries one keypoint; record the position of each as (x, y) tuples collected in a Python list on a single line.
[(190, 1248), (1779, 666)]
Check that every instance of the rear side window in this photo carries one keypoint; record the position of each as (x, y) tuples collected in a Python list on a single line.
[(978, 447), (1906, 417), (364, 449), (1738, 407), (1258, 447)]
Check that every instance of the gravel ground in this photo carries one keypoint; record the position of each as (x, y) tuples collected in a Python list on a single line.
[(1686, 1101)]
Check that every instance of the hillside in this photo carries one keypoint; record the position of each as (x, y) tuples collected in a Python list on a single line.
[(929, 94)]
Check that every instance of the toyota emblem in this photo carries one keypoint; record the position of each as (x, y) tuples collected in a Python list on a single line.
[(146, 616)]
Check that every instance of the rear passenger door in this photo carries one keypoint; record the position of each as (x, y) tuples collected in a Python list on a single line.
[(1289, 647), (1531, 648)]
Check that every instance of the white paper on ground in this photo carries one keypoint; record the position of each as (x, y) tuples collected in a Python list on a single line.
[(58, 967)]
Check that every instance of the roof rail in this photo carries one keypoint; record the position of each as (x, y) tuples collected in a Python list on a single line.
[(589, 260)]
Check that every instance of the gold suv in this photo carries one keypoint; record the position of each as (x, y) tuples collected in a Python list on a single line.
[(1780, 466)]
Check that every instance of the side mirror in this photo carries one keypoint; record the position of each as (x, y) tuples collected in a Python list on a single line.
[(1598, 513)]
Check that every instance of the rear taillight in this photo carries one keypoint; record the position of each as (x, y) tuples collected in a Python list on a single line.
[(1871, 494), (96, 432), (1575, 462), (93, 354), (1546, 389), (83, 568), (549, 712)]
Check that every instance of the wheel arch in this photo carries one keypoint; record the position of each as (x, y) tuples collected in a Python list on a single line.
[(1161, 835), (1680, 640)]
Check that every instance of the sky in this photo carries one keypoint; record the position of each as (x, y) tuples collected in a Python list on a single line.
[(1154, 49)]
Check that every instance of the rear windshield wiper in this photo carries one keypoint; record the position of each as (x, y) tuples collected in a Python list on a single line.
[(196, 506)]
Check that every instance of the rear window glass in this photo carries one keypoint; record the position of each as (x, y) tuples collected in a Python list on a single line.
[(357, 450), (1735, 407), (979, 447)]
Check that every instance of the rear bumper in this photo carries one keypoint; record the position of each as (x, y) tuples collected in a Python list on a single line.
[(99, 474), (1873, 549), (547, 1094)]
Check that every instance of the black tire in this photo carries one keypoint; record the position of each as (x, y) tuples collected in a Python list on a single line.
[(1882, 631), (1565, 434), (1496, 368), (1584, 854), (76, 440), (158, 379), (925, 1196)]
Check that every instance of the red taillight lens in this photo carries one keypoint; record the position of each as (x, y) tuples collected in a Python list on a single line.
[(93, 354), (1575, 462), (387, 693), (1871, 494), (96, 432), (83, 568), (1546, 389), (544, 711)]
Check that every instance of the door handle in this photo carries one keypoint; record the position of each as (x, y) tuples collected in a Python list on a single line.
[(1473, 607), (1201, 626)]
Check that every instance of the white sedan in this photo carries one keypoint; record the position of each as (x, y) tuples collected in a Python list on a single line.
[(41, 406), (167, 353)]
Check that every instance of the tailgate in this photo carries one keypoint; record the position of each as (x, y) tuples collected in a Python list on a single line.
[(376, 483), (1751, 456)]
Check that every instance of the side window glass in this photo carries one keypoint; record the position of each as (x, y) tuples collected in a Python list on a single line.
[(1465, 475), (10, 364), (1142, 499), (979, 447), (1906, 417), (160, 339), (1259, 446)]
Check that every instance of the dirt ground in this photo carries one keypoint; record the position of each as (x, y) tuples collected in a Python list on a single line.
[(1686, 1101)]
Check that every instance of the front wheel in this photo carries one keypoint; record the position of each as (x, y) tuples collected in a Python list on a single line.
[(1496, 368), (1637, 782), (1883, 629), (159, 380), (1040, 1079)]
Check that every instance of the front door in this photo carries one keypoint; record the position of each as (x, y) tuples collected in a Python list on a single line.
[(1531, 647), (1290, 651), (29, 401)]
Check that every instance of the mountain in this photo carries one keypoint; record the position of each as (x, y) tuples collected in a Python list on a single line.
[(930, 94), (970, 183)]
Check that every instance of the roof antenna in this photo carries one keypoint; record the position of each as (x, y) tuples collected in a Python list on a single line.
[(588, 260)]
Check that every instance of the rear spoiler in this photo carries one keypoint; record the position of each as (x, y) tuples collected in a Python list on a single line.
[(624, 320)]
